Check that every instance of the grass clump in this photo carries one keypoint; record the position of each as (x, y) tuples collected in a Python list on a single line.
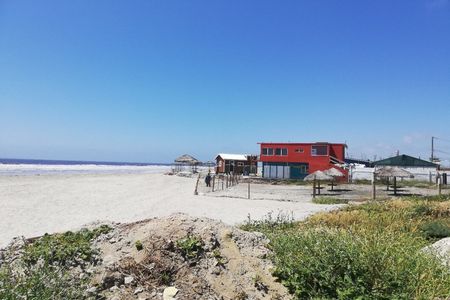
[(42, 271), (280, 222), (191, 247), (138, 245), (329, 200), (436, 230), (339, 264), (367, 251)]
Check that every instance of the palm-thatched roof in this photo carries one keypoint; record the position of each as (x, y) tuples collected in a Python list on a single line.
[(187, 159), (334, 172), (318, 175), (392, 172)]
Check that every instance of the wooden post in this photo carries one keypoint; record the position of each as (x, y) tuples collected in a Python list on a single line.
[(314, 187), (196, 185), (374, 193), (318, 187), (222, 181), (439, 185), (214, 181), (248, 190), (226, 181), (431, 178), (387, 188), (395, 186)]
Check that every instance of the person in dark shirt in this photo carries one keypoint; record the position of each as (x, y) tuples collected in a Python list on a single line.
[(208, 180)]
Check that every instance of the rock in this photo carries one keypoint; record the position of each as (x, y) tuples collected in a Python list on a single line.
[(112, 278), (169, 293), (144, 296), (441, 249), (128, 280), (91, 290), (138, 290)]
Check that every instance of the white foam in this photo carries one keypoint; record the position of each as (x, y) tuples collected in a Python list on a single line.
[(34, 169)]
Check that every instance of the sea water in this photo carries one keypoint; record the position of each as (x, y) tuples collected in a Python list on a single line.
[(42, 167)]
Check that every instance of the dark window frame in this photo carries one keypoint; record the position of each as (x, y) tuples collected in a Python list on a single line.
[(269, 152), (314, 150)]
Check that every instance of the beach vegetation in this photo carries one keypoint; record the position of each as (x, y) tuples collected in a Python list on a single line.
[(366, 251), (138, 245), (329, 200), (43, 270), (191, 247)]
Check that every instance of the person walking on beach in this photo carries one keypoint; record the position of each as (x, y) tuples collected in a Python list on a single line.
[(208, 180)]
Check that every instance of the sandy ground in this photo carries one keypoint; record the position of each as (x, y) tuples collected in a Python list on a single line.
[(34, 205)]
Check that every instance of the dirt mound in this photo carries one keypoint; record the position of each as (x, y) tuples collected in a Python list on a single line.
[(180, 257)]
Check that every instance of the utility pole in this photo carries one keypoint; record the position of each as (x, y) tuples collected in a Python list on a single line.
[(432, 148)]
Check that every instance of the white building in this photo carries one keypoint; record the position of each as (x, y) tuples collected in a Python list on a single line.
[(421, 169)]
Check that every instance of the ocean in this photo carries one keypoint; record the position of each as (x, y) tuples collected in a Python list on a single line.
[(10, 166)]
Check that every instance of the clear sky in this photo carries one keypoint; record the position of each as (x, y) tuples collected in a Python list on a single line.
[(150, 80)]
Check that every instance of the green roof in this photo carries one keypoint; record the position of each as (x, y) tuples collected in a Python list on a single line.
[(404, 161)]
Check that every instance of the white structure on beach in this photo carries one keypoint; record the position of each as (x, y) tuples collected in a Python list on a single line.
[(421, 169)]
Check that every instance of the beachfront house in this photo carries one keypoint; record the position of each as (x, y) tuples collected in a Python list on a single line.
[(236, 163), (297, 160)]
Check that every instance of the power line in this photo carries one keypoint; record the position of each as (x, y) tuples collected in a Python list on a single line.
[(442, 139), (440, 151)]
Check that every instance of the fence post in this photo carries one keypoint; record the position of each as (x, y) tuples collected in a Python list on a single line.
[(374, 195), (439, 185), (214, 181), (314, 187), (196, 185), (248, 190)]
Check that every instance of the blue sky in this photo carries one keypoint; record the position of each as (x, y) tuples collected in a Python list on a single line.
[(150, 80)]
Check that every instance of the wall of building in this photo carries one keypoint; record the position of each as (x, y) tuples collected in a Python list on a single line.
[(301, 153), (421, 174)]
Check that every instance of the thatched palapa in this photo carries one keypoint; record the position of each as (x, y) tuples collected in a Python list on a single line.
[(393, 172), (334, 172), (187, 159), (319, 176)]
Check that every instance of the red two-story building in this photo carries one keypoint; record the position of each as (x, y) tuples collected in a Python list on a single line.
[(296, 160)]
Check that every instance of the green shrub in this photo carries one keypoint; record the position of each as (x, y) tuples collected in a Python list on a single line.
[(338, 264), (62, 248), (191, 247), (366, 251), (422, 209), (438, 198), (139, 245), (43, 271), (436, 230), (329, 200), (43, 282), (281, 222)]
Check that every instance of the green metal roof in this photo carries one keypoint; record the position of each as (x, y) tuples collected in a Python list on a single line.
[(404, 161)]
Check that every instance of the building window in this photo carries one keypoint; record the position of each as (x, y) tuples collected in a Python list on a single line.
[(281, 151), (267, 151), (319, 150), (240, 164)]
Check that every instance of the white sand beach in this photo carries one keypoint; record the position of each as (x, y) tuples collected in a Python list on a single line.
[(33, 205)]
